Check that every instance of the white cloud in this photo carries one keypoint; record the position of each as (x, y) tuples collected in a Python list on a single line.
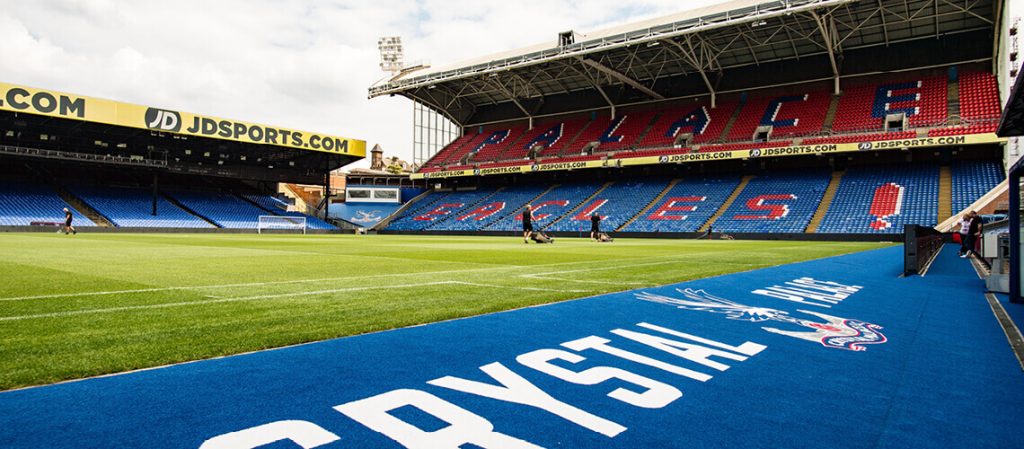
[(302, 64)]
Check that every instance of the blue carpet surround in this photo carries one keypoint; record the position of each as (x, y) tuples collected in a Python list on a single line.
[(837, 353)]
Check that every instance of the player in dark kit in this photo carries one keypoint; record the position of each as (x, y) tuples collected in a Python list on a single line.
[(527, 223), (595, 226), (67, 222)]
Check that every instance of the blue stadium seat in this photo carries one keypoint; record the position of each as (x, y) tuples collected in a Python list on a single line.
[(673, 212), (884, 199), (507, 202), (972, 179), (776, 202), (616, 204), (23, 202), (132, 208), (438, 207), (547, 208)]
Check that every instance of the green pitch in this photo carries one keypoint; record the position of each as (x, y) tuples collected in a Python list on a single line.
[(78, 306)]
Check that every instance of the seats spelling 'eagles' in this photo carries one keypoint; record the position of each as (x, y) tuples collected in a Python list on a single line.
[(615, 204), (686, 206), (548, 207), (776, 202), (883, 199)]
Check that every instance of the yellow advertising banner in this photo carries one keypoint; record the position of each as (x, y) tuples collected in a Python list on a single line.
[(797, 150), (28, 100)]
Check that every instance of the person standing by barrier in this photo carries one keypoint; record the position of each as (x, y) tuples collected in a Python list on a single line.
[(965, 227), (595, 226), (973, 232)]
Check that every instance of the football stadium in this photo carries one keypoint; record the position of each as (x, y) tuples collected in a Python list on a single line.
[(749, 224)]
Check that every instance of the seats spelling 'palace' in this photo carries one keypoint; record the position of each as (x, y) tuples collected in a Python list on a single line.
[(793, 118)]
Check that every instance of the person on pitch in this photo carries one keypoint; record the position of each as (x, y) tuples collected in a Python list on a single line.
[(595, 226), (527, 223), (68, 218)]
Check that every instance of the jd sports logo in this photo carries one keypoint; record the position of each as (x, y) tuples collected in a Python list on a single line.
[(864, 146), (756, 152), (163, 120)]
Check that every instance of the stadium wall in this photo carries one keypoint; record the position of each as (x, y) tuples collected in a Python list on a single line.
[(678, 235)]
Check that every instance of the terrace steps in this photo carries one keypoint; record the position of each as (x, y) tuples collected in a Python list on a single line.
[(728, 202), (830, 115), (651, 204), (945, 193), (953, 102), (581, 204), (83, 207), (572, 142), (826, 202), (728, 125), (175, 202)]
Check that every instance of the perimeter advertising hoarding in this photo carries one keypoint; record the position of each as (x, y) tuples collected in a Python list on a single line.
[(796, 150)]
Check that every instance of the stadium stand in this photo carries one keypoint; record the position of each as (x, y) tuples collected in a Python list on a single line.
[(788, 115), (776, 202), (616, 204), (24, 202), (701, 120), (548, 207), (496, 143), (979, 98), (972, 179), (864, 107), (686, 206), (131, 208), (883, 199), (500, 204), (439, 207)]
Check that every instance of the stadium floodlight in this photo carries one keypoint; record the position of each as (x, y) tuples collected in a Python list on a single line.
[(281, 223), (392, 58)]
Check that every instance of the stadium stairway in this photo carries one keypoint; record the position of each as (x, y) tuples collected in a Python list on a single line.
[(185, 208), (83, 207), (830, 116), (572, 142), (650, 204), (732, 122), (945, 192), (728, 202), (953, 102), (578, 206), (826, 202)]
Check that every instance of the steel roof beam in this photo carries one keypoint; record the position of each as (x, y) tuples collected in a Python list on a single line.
[(690, 57), (827, 35), (623, 78)]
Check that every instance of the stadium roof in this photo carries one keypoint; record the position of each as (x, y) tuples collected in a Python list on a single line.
[(46, 124), (703, 42)]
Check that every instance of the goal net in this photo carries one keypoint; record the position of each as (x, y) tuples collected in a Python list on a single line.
[(281, 223)]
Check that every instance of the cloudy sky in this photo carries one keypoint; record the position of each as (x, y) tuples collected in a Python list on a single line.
[(302, 64)]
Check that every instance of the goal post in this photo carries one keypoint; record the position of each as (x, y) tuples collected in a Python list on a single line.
[(281, 223)]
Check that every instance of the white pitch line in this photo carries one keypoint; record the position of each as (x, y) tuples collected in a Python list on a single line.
[(260, 297), (342, 278)]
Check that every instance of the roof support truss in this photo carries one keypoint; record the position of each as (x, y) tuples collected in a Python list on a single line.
[(828, 35), (623, 78)]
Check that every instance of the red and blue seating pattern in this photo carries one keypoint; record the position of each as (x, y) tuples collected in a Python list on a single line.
[(502, 203), (686, 206), (23, 202), (445, 206), (972, 179), (615, 204), (860, 115), (884, 199), (776, 203), (548, 207)]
